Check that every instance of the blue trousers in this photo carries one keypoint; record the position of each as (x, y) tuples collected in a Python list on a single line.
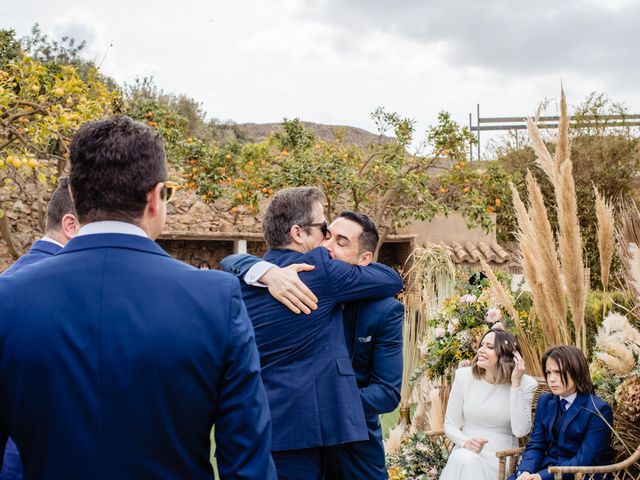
[(303, 464)]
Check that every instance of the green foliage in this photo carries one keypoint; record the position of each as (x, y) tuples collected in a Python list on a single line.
[(381, 179), (9, 47), (41, 107)]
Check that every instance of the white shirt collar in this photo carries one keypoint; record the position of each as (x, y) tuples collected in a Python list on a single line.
[(570, 399), (51, 240), (111, 226)]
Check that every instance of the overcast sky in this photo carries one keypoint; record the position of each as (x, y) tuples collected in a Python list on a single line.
[(334, 61)]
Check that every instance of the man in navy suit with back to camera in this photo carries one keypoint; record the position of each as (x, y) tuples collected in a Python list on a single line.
[(123, 358), (313, 394), (61, 226)]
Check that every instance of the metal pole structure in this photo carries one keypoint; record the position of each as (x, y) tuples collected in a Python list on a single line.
[(478, 119), (470, 145)]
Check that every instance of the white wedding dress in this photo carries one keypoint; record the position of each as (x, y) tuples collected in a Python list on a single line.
[(497, 412)]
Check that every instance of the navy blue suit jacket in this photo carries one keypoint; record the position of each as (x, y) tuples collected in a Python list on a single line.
[(373, 331), (120, 361), (583, 437), (306, 368), (11, 465), (40, 250)]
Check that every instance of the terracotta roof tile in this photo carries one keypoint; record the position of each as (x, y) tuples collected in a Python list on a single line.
[(472, 252)]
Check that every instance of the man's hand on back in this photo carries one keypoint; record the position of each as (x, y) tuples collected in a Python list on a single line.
[(285, 285)]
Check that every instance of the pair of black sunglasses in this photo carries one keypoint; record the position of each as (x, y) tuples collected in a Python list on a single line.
[(324, 227)]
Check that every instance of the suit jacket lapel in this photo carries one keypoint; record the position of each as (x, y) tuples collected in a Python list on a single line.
[(573, 411)]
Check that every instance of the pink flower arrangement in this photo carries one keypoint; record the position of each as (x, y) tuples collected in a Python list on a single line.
[(440, 331), (468, 298), (493, 315), (451, 328)]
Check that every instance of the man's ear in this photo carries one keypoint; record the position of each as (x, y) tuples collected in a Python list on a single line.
[(69, 226), (295, 232), (365, 259), (155, 200)]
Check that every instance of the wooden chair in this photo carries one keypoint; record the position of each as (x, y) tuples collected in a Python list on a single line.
[(628, 469)]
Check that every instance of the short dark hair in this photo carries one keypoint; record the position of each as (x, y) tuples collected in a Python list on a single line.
[(289, 207), (115, 162), (368, 239), (505, 345), (60, 205), (571, 363)]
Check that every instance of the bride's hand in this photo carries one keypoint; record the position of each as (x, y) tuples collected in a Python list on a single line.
[(518, 369), (475, 444)]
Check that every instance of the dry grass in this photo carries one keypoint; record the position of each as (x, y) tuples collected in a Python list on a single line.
[(429, 275), (543, 250), (606, 236), (532, 350), (627, 234), (540, 264)]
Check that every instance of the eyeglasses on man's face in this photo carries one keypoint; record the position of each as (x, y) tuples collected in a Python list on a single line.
[(324, 227), (169, 189)]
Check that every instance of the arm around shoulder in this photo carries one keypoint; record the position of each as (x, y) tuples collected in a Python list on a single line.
[(354, 282)]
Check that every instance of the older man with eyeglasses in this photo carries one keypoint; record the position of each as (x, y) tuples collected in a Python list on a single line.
[(310, 382)]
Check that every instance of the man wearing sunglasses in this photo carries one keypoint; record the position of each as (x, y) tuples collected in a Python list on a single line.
[(306, 367), (123, 358)]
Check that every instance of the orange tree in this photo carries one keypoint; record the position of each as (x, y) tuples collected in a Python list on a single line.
[(381, 178), (41, 106)]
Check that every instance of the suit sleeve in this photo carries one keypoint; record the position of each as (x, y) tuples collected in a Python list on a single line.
[(383, 392), (453, 419), (242, 417), (353, 282), (238, 264), (536, 448), (596, 440)]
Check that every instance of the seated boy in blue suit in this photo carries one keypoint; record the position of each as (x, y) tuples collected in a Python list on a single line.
[(569, 429)]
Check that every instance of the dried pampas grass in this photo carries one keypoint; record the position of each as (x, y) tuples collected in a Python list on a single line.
[(532, 350), (606, 236), (394, 440), (540, 264), (627, 234), (544, 268)]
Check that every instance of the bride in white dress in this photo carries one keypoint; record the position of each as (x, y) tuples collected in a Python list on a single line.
[(489, 408)]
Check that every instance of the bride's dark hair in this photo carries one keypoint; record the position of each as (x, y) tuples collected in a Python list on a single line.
[(505, 345)]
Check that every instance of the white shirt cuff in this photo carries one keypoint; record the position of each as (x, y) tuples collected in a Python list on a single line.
[(252, 277)]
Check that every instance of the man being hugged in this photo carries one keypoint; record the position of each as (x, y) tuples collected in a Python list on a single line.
[(306, 367)]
